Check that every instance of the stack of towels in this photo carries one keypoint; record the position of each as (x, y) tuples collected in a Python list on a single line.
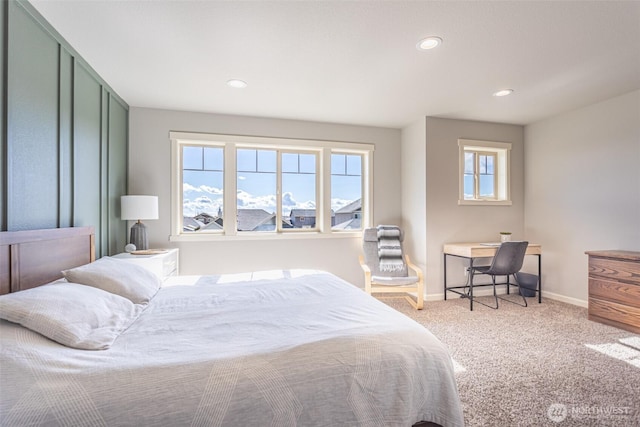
[(389, 249)]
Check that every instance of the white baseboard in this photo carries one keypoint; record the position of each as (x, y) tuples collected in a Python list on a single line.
[(433, 297), (568, 300), (485, 292)]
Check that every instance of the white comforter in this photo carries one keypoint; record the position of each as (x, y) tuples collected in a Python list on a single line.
[(305, 350)]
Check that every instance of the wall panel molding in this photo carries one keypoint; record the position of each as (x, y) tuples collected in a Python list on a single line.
[(118, 182), (104, 175), (3, 114), (65, 140), (64, 134), (32, 123)]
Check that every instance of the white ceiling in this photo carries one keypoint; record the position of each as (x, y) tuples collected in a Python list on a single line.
[(356, 61)]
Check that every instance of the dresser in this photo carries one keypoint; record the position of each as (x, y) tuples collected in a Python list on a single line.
[(614, 288), (163, 265)]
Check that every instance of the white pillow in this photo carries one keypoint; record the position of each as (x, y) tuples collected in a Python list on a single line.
[(71, 314), (119, 277)]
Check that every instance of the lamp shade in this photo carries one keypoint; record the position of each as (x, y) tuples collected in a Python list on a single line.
[(138, 207)]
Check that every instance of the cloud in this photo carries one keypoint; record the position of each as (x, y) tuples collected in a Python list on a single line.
[(249, 201), (202, 204), (188, 188), (209, 199), (203, 200), (211, 190), (309, 204), (288, 200)]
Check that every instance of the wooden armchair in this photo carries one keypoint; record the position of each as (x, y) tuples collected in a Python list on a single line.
[(383, 280)]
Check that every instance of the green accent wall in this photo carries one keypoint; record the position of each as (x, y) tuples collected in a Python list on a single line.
[(64, 134)]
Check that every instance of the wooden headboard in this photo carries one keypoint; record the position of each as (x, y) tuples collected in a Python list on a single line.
[(32, 258)]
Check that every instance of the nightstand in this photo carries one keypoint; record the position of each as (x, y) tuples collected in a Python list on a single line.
[(162, 265)]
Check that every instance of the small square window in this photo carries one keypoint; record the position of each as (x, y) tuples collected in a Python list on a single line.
[(484, 172)]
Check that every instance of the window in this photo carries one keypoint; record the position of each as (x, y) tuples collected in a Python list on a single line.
[(299, 190), (203, 188), (346, 191), (484, 172), (479, 175), (256, 190), (226, 186), (259, 208)]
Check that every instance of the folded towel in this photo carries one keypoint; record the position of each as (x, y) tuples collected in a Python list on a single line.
[(389, 252), (388, 231), (391, 264), (388, 242)]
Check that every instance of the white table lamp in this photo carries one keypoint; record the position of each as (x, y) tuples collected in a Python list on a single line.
[(137, 208)]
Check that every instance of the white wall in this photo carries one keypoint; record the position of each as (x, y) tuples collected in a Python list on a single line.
[(583, 189), (149, 173), (414, 194), (430, 207), (447, 222)]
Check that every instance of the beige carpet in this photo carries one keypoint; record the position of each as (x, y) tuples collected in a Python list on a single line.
[(543, 365)]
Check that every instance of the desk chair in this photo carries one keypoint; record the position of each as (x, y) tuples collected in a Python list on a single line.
[(379, 279), (507, 261)]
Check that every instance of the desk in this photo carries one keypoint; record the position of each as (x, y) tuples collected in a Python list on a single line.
[(471, 251)]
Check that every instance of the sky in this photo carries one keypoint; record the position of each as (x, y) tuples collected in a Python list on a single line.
[(486, 173), (256, 180)]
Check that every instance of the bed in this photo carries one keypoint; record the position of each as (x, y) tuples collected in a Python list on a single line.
[(279, 348)]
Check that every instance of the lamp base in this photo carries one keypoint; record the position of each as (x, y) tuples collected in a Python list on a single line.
[(139, 236)]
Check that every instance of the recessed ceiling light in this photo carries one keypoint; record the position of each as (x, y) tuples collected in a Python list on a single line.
[(429, 43), (503, 92), (238, 84)]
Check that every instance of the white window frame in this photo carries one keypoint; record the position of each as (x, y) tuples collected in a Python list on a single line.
[(502, 150), (323, 186), (366, 184), (318, 153)]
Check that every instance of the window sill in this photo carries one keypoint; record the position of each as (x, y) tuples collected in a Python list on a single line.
[(484, 202), (248, 236)]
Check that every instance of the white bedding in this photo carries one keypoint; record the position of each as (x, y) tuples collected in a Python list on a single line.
[(307, 349)]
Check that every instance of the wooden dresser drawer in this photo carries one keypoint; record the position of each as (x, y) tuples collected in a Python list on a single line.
[(615, 269), (624, 293), (614, 314)]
